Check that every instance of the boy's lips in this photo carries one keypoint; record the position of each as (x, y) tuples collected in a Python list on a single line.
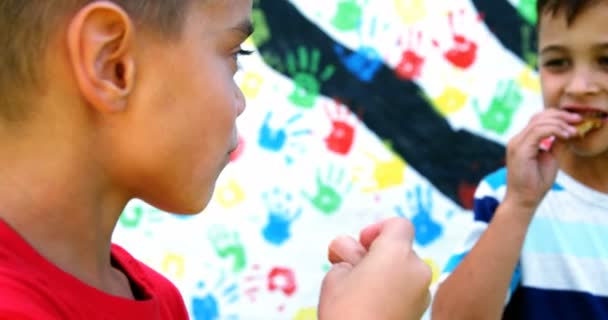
[(588, 111)]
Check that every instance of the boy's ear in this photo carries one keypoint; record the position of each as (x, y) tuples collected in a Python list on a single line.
[(100, 45)]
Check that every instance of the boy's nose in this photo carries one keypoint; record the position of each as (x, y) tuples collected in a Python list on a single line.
[(582, 83)]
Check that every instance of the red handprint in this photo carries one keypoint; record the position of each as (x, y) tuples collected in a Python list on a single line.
[(466, 193), (463, 52), (340, 139), (282, 279), (411, 63), (236, 153)]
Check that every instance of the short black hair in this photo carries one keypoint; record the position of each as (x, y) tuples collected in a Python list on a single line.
[(571, 8), (26, 25)]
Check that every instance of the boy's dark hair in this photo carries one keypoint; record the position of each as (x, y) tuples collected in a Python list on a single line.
[(571, 8), (26, 26)]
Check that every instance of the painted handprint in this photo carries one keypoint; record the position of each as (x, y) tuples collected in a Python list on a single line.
[(173, 265), (208, 303), (251, 84), (329, 194), (340, 139), (281, 215), (463, 52), (281, 280), (140, 215), (229, 194), (530, 56), (387, 173), (366, 61), (304, 70), (427, 229), (227, 245), (236, 154), (451, 100), (527, 78), (131, 217), (499, 115), (348, 14), (527, 9), (277, 139), (410, 65), (309, 313), (262, 34), (410, 11)]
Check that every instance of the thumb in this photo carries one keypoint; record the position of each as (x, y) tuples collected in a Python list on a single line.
[(333, 279), (346, 249), (390, 230)]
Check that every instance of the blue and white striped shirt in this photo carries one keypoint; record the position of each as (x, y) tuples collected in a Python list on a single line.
[(563, 268)]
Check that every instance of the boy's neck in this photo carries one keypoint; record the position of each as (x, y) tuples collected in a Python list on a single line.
[(590, 171), (54, 197)]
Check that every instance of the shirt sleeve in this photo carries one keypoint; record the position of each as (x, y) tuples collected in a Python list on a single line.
[(488, 195)]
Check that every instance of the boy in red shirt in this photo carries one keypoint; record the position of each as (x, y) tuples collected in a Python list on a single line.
[(105, 101)]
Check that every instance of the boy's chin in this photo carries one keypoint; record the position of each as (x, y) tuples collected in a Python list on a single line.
[(186, 205), (588, 149)]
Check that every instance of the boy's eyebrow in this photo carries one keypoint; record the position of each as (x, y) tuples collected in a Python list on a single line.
[(559, 48), (552, 47), (601, 46), (245, 27)]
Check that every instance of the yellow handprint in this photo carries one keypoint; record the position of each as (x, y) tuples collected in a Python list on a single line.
[(528, 80), (410, 11), (230, 194), (386, 173), (251, 84), (306, 314), (451, 100), (173, 265), (434, 268)]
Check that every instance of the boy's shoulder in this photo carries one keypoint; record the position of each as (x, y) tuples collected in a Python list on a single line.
[(21, 297)]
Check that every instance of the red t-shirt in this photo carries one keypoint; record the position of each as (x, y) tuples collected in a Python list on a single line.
[(31, 287)]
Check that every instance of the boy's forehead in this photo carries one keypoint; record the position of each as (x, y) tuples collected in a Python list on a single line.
[(590, 23), (226, 11)]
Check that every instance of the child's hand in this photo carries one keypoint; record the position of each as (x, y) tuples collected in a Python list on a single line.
[(531, 171), (379, 277)]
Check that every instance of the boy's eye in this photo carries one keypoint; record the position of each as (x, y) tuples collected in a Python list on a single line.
[(603, 61), (556, 63), (242, 52)]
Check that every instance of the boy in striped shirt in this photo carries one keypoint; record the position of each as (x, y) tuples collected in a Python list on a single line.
[(538, 248)]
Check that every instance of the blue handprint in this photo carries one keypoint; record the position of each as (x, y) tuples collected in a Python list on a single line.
[(207, 306), (281, 216), (275, 139), (363, 63), (427, 230)]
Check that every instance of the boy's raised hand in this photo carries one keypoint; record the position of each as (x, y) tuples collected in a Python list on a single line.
[(378, 277), (532, 171)]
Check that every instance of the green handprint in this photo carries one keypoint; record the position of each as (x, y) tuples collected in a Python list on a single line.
[(228, 245), (131, 218), (530, 56), (261, 35), (527, 9), (304, 74), (505, 102), (348, 16), (327, 199)]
